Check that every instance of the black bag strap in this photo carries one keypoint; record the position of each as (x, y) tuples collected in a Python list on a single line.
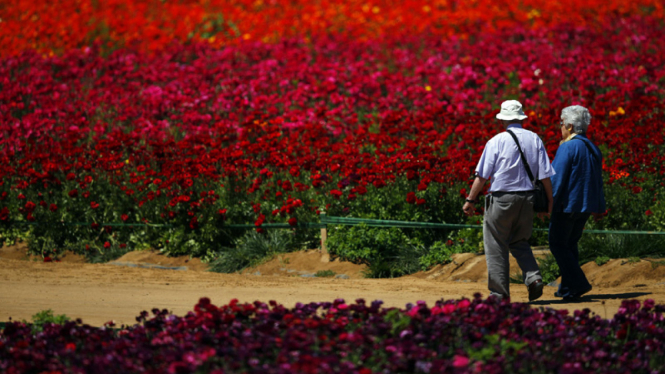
[(526, 164), (593, 154)]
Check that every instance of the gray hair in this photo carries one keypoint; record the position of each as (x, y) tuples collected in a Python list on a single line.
[(578, 116)]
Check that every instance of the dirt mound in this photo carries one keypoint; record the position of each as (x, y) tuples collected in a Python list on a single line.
[(621, 272), (465, 267), (307, 264), (154, 259), (469, 267), (20, 252)]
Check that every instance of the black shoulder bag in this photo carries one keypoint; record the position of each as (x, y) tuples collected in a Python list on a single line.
[(540, 203)]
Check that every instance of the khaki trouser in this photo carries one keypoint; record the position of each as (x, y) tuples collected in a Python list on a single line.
[(507, 227)]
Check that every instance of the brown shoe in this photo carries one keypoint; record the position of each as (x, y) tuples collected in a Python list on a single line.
[(536, 289)]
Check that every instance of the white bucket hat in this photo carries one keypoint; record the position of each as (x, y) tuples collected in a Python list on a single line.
[(511, 109)]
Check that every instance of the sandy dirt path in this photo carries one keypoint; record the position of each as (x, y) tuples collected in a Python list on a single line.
[(98, 293)]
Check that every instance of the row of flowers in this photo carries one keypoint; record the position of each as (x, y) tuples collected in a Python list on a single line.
[(199, 137), (461, 336), (150, 25)]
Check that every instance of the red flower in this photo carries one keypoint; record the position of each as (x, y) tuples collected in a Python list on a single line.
[(30, 206), (420, 202), (361, 190), (107, 245), (124, 217), (637, 189), (411, 174), (411, 198), (336, 193), (379, 183), (648, 212), (4, 214), (53, 208), (73, 193), (94, 205), (293, 221), (48, 259)]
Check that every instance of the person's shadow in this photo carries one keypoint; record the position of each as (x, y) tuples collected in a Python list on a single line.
[(591, 298)]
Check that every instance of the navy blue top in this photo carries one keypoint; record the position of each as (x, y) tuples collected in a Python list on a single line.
[(577, 185)]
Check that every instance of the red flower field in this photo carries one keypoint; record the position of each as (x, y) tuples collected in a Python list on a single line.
[(200, 115)]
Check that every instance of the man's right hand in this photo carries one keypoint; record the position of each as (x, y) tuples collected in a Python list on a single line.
[(469, 208)]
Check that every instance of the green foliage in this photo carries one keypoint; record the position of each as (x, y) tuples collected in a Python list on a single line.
[(620, 246), (549, 269), (602, 260), (252, 249), (633, 260), (324, 274), (657, 217), (627, 206), (438, 254), (496, 347), (441, 252), (443, 203), (387, 252), (46, 316), (397, 320)]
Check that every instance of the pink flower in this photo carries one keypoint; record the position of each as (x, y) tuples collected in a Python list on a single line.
[(460, 361)]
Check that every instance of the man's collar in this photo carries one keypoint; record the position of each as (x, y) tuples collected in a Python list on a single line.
[(514, 125)]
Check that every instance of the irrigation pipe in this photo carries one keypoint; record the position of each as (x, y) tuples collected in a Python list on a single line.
[(331, 220)]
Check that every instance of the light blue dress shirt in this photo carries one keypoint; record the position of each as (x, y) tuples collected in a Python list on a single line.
[(502, 165)]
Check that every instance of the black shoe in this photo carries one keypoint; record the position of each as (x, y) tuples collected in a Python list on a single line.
[(573, 295), (535, 289)]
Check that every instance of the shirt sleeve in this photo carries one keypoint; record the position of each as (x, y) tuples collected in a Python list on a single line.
[(485, 168), (545, 170)]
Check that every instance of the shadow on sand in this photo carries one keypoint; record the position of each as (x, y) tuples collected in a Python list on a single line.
[(591, 298)]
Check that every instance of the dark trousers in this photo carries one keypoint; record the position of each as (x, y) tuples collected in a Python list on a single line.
[(565, 232)]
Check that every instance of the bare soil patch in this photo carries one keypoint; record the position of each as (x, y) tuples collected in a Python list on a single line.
[(98, 293), (306, 264)]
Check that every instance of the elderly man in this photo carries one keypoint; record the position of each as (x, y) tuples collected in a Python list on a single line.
[(578, 193), (508, 220)]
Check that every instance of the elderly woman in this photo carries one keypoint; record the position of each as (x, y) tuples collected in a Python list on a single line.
[(578, 193)]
